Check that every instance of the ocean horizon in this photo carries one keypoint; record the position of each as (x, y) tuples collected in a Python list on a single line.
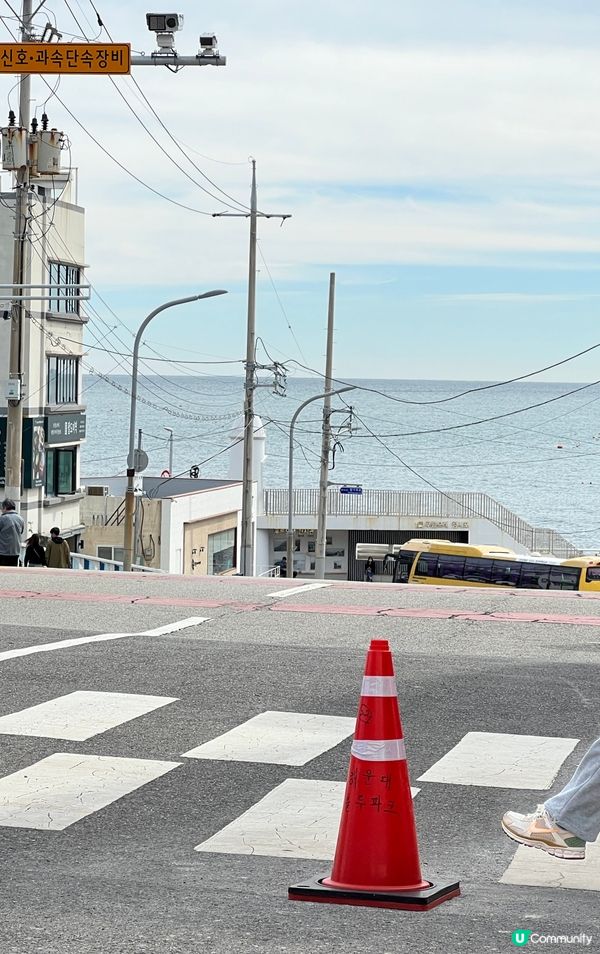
[(538, 456)]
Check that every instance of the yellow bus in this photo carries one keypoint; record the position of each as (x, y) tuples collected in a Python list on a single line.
[(463, 564)]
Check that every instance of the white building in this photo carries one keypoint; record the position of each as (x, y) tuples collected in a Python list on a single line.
[(390, 517), (54, 423), (182, 525)]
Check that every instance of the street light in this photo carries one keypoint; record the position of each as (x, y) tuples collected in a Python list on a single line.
[(290, 530), (129, 497)]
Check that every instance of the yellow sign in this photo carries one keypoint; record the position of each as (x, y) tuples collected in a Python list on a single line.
[(65, 58)]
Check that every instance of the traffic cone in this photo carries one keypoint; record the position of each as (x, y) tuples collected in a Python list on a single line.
[(377, 857)]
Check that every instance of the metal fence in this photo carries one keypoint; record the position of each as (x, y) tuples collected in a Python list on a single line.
[(422, 504)]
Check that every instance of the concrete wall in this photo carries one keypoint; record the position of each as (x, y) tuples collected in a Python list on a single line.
[(95, 511), (189, 508), (196, 543)]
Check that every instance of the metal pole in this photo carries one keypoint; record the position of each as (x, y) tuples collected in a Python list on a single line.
[(290, 528), (14, 417), (247, 542), (170, 430), (320, 547), (129, 496)]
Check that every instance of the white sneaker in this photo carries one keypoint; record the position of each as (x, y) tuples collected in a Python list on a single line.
[(539, 830)]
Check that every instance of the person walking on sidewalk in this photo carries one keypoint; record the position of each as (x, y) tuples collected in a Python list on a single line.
[(58, 554), (566, 821), (11, 531), (35, 555)]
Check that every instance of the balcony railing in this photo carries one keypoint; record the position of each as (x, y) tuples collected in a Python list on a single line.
[(425, 504)]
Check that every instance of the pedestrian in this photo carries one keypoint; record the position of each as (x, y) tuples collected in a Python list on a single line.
[(369, 570), (11, 531), (283, 567), (566, 821), (35, 555), (58, 554)]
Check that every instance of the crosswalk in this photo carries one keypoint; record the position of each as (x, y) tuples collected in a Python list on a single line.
[(298, 817)]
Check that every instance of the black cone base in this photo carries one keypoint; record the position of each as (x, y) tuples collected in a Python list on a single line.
[(421, 899)]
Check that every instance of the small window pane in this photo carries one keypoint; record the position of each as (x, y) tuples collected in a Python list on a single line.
[(221, 551), (104, 553), (427, 564), (50, 475), (478, 570), (65, 471), (564, 578), (451, 567), (505, 573), (592, 574)]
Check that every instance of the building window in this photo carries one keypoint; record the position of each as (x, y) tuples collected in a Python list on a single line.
[(62, 383), (110, 553), (221, 551), (64, 300), (61, 471)]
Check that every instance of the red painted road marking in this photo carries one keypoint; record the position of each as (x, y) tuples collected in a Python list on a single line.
[(316, 608)]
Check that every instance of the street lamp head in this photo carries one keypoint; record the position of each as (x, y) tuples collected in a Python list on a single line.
[(213, 294)]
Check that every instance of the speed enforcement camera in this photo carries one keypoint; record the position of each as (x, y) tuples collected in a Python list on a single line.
[(164, 22)]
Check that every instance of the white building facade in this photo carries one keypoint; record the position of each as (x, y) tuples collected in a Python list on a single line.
[(54, 423)]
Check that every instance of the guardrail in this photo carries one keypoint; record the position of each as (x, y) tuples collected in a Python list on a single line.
[(83, 561), (425, 504)]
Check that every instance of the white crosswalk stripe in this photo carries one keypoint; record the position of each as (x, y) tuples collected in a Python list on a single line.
[(63, 788), (500, 760), (80, 715), (298, 819), (531, 866), (280, 738)]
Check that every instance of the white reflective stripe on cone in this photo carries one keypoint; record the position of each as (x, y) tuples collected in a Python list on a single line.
[(379, 686), (383, 750)]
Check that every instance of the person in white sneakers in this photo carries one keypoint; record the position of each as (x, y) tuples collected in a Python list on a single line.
[(565, 822)]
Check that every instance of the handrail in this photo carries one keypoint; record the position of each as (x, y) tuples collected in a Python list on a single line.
[(425, 504)]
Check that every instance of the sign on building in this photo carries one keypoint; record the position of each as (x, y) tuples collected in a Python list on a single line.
[(62, 428)]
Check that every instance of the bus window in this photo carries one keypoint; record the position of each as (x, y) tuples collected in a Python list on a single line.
[(505, 573), (564, 577), (451, 567), (427, 564), (534, 576), (478, 570), (592, 574)]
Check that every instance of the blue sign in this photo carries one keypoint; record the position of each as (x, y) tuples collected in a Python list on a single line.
[(351, 490)]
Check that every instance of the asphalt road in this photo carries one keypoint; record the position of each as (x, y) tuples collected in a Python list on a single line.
[(126, 877)]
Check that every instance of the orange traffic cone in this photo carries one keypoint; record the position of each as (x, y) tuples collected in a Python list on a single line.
[(377, 857)]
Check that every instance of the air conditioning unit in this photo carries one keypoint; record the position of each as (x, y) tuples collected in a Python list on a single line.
[(97, 491)]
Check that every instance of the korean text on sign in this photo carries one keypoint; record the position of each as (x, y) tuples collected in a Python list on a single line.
[(65, 58)]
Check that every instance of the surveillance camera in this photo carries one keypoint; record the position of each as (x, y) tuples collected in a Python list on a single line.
[(164, 22), (208, 41)]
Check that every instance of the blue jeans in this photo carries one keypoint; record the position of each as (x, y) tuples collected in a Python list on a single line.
[(577, 807)]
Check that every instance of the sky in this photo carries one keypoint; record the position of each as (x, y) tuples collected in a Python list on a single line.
[(443, 159)]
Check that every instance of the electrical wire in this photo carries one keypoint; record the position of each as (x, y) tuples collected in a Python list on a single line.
[(237, 205), (283, 311), (121, 166)]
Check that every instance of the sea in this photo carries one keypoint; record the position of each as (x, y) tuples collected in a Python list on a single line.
[(534, 446)]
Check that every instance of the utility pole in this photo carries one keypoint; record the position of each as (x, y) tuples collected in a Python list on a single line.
[(247, 541), (14, 422), (321, 547), (247, 548), (290, 526)]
